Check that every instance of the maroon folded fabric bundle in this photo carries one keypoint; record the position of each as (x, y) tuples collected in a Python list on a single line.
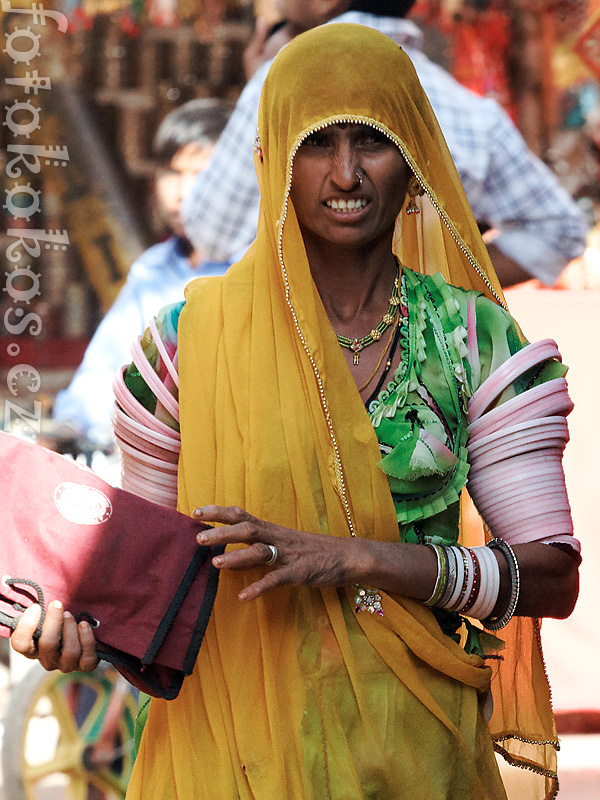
[(130, 567)]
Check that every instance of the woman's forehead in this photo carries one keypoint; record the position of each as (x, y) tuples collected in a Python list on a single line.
[(349, 126), (342, 128)]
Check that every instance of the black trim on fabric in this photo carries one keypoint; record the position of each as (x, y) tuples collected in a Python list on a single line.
[(142, 673), (204, 613), (141, 677), (164, 626), (145, 676)]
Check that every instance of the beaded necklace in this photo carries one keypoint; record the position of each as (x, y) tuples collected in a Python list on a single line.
[(382, 356), (356, 345)]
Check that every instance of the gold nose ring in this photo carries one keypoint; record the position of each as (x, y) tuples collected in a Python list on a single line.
[(359, 176)]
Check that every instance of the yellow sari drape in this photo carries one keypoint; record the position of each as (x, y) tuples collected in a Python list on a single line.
[(293, 695)]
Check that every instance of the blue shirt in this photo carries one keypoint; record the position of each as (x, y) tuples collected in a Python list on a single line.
[(156, 279)]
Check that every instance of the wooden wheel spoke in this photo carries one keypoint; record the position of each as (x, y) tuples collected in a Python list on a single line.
[(54, 718), (66, 759), (78, 788), (63, 714), (108, 781), (93, 719)]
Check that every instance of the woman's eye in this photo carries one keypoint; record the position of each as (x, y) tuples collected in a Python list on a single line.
[(316, 140), (372, 139)]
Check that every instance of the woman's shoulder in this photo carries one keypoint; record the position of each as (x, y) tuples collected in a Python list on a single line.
[(434, 297), (487, 329), (434, 284), (237, 280), (203, 288), (490, 314)]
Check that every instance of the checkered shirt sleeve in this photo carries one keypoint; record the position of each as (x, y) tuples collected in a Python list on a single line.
[(535, 220)]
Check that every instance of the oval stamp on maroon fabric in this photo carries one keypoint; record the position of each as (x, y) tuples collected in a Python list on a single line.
[(82, 505)]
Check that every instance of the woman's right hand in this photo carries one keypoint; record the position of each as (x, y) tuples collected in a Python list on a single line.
[(63, 643)]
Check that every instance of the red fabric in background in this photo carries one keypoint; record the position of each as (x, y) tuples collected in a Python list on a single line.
[(480, 50), (103, 552), (572, 646)]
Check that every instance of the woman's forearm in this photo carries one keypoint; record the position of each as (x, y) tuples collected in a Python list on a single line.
[(399, 568), (549, 581), (548, 576)]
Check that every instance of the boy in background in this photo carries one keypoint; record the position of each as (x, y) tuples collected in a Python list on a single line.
[(182, 147)]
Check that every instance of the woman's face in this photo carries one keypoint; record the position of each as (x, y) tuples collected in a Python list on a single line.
[(331, 204)]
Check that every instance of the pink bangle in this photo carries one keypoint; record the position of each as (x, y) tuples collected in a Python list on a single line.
[(530, 356)]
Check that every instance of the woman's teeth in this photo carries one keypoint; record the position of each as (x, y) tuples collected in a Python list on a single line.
[(347, 205)]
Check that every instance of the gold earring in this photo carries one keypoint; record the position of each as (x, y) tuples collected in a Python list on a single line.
[(414, 190)]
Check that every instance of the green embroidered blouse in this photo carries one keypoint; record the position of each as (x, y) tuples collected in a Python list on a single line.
[(420, 416)]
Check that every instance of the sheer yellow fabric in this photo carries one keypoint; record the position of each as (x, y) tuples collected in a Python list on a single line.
[(293, 695)]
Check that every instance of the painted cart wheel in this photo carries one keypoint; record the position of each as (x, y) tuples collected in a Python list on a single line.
[(69, 737)]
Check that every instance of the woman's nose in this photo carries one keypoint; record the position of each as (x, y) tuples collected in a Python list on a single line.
[(345, 170)]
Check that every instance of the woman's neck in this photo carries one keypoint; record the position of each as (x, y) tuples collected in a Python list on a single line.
[(354, 285)]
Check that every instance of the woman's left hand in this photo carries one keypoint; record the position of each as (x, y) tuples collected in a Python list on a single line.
[(302, 559)]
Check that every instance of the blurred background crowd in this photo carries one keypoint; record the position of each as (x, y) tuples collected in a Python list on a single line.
[(124, 65)]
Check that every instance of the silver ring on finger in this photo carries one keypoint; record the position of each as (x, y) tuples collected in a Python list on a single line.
[(274, 554)]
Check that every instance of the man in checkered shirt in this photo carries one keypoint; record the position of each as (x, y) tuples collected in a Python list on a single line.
[(536, 228)]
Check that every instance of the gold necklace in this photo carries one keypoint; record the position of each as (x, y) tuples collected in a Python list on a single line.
[(356, 345), (385, 350)]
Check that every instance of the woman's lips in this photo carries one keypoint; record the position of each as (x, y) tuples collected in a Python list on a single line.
[(347, 208), (340, 204)]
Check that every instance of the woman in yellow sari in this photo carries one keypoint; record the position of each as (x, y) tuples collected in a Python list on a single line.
[(323, 395)]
